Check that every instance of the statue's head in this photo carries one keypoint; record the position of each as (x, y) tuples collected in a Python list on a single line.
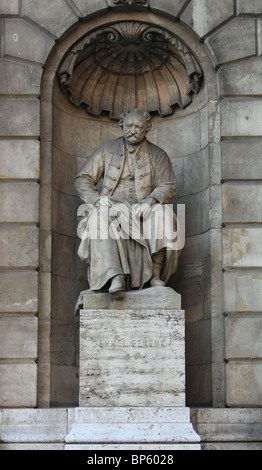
[(135, 124)]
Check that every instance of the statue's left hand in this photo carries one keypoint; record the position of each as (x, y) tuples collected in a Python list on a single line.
[(144, 208)]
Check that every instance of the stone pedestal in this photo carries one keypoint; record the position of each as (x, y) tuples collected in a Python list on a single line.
[(130, 428), (132, 369)]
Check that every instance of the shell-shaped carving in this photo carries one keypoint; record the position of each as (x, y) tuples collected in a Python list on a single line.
[(127, 65)]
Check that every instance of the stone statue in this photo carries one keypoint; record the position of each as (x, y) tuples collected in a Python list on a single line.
[(123, 228)]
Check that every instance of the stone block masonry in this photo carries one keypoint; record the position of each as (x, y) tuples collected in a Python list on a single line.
[(29, 31), (54, 429)]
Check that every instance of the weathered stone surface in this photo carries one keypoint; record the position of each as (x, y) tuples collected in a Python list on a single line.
[(203, 16), (239, 291), (46, 124), (181, 136), (34, 446), (248, 122), (241, 79), (114, 415), (218, 330), (19, 247), (241, 35), (81, 143), (160, 297), (64, 341), (23, 41), (87, 8), (19, 79), (242, 202), (65, 295), (9, 7), (65, 169), (195, 172), (45, 295), (199, 384), (65, 259), (118, 425), (136, 432), (113, 131), (172, 7), (220, 429), (55, 17), (194, 255), (67, 205), (227, 426), (243, 337), (43, 361), (35, 426), (198, 345), (45, 216), (240, 376), (46, 152), (242, 247), (259, 39), (194, 264), (132, 357), (196, 213), (45, 243), (18, 386), (232, 446), (241, 160), (23, 117), (20, 202), (22, 298), (19, 159), (192, 292), (215, 214), (18, 337), (65, 385), (178, 166), (129, 447), (253, 6), (154, 427)]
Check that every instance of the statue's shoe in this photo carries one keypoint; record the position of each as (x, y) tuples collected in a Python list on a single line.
[(117, 286), (156, 282)]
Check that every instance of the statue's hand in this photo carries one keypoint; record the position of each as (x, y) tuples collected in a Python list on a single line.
[(103, 201), (145, 207)]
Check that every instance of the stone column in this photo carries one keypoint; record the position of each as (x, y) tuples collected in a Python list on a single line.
[(132, 371)]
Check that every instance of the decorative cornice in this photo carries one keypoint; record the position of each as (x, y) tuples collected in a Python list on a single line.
[(130, 64)]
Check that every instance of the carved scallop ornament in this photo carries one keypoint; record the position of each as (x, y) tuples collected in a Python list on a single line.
[(130, 64)]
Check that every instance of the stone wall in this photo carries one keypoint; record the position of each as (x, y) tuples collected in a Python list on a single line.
[(225, 281)]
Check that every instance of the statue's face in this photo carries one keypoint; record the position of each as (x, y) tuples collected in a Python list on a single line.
[(134, 128)]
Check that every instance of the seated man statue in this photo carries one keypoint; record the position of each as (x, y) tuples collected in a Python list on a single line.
[(123, 228)]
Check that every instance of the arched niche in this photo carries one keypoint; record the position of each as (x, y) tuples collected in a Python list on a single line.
[(70, 133)]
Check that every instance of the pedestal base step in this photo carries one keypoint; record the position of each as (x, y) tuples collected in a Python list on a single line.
[(163, 428)]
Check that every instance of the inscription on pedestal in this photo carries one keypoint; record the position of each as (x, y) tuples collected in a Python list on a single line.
[(132, 357), (135, 343)]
